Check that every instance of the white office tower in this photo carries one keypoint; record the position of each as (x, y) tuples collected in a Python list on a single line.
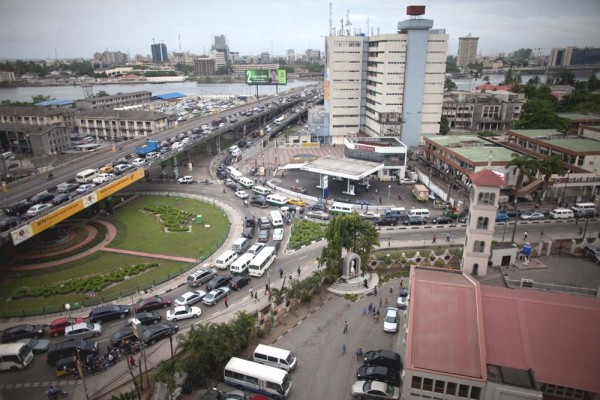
[(388, 85)]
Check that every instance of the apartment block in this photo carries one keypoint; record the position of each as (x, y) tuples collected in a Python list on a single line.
[(118, 100), (490, 111), (120, 125), (467, 50)]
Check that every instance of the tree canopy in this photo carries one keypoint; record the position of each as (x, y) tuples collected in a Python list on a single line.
[(449, 85)]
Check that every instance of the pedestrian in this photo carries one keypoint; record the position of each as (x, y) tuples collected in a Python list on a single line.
[(389, 242), (375, 190), (542, 234), (361, 351), (524, 236), (433, 238), (364, 311), (380, 301), (386, 302), (344, 348), (370, 306), (380, 201), (345, 327), (256, 297), (251, 292), (452, 238), (280, 273), (132, 361), (377, 316), (290, 278), (298, 270), (225, 300), (375, 291), (448, 237), (266, 288), (391, 289), (358, 354)]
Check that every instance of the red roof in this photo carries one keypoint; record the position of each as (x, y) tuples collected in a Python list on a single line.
[(554, 334), (486, 177), (490, 87), (445, 334)]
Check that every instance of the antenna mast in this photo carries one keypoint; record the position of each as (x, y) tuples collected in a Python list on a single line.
[(331, 30), (348, 24), (179, 36)]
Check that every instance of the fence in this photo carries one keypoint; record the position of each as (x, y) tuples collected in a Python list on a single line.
[(515, 283)]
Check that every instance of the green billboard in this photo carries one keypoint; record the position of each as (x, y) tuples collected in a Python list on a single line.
[(266, 77)]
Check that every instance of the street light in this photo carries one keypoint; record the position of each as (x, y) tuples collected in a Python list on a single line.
[(389, 189)]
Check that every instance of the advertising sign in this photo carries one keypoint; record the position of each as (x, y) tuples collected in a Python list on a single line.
[(266, 77), (119, 184)]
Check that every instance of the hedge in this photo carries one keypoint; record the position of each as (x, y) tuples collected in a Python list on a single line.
[(173, 219)]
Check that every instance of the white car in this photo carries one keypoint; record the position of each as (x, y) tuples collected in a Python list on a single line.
[(138, 162), (241, 194), (390, 321), (152, 155), (407, 181), (186, 179), (85, 187), (278, 234), (101, 178), (38, 208), (183, 312), (189, 298), (370, 215), (215, 295), (374, 390)]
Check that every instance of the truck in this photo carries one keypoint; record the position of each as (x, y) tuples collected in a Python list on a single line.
[(420, 192), (151, 145)]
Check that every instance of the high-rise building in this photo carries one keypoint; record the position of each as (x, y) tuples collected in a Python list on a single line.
[(159, 53), (290, 56), (313, 55), (265, 57), (574, 56), (220, 51), (204, 66), (467, 50), (388, 85)]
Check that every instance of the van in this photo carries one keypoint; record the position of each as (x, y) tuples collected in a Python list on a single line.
[(86, 176), (236, 153), (70, 348), (226, 259), (240, 266), (261, 190), (275, 357), (241, 245), (398, 213), (9, 155), (276, 219), (14, 356), (341, 208), (561, 213), (246, 182), (419, 212), (585, 207)]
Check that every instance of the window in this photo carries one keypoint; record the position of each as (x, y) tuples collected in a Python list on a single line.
[(463, 391), (475, 393), (416, 382), (488, 199), (479, 246), (482, 222), (439, 386), (451, 388), (428, 384)]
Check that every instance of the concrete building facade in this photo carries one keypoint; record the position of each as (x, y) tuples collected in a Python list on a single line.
[(120, 125), (159, 53), (388, 85), (33, 115), (467, 50), (204, 66), (34, 140), (118, 100)]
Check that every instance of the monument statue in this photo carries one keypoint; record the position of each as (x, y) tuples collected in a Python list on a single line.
[(351, 266)]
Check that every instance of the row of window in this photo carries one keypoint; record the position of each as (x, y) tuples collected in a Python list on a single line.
[(450, 388), (337, 43)]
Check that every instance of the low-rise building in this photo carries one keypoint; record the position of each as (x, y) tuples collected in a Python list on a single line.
[(34, 140), (578, 120), (7, 76), (117, 100), (204, 66), (119, 125), (390, 152), (486, 111), (32, 115)]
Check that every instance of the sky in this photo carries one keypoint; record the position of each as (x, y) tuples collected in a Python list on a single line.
[(36, 29)]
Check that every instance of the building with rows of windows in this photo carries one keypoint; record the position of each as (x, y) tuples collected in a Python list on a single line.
[(120, 125)]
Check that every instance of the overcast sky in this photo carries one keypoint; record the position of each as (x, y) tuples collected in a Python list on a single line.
[(78, 28)]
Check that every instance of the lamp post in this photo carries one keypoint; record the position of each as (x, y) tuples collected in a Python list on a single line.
[(80, 370), (68, 308), (389, 189)]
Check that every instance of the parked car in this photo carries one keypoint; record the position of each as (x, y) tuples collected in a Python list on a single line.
[(85, 188), (152, 303), (532, 216), (118, 338), (374, 390), (363, 202), (402, 301), (10, 221), (37, 209), (57, 327), (218, 281), (386, 221), (378, 373), (442, 219), (83, 330), (154, 333), (239, 282), (407, 181), (390, 321), (276, 245), (298, 189), (502, 217), (370, 215), (186, 179), (593, 253), (241, 194), (318, 207), (37, 345), (215, 296), (108, 313), (278, 234), (138, 162), (102, 178), (263, 236), (39, 198), (386, 358), (249, 232), (189, 298), (513, 213), (67, 187), (415, 220), (24, 331), (61, 198), (145, 318), (202, 275), (318, 214), (183, 312)]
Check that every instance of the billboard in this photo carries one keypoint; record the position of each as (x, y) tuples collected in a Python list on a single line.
[(266, 77)]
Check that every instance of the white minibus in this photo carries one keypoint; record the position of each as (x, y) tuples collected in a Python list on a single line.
[(277, 200), (585, 207), (261, 190), (419, 212), (14, 356), (276, 219), (241, 265), (561, 213), (275, 357), (341, 208), (262, 261), (234, 173), (246, 182), (226, 259), (273, 382), (86, 176)]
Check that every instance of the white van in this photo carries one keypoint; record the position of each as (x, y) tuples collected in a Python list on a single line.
[(240, 266), (14, 356), (226, 259), (86, 176), (419, 212), (261, 190), (276, 219), (234, 148), (246, 182), (275, 357), (562, 213), (341, 208), (241, 245), (584, 207), (9, 155), (234, 173), (236, 153)]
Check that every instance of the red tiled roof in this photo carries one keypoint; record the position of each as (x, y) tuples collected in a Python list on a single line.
[(486, 177), (444, 330), (489, 86), (556, 335)]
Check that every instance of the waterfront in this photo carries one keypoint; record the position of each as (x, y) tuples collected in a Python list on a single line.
[(187, 88)]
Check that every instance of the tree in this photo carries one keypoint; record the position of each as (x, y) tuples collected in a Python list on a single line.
[(166, 372), (39, 98), (486, 79), (449, 85), (539, 114), (351, 233), (550, 166), (566, 77), (451, 65), (534, 81), (444, 126), (593, 83), (526, 165), (102, 93)]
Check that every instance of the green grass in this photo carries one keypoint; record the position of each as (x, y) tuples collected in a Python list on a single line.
[(140, 231), (305, 232)]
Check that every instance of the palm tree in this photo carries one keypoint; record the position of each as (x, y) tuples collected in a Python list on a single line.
[(527, 166), (243, 325), (194, 353), (550, 166), (486, 79), (166, 372)]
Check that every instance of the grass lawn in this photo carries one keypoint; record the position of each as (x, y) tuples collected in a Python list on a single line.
[(97, 263), (140, 231), (305, 232)]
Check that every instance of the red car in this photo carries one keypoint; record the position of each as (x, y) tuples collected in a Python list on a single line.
[(57, 327), (152, 303)]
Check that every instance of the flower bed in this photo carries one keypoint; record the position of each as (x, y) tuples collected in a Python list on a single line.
[(173, 219)]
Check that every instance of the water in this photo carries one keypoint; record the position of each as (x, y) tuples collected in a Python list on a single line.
[(186, 88)]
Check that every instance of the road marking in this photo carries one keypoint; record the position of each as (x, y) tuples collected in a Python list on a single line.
[(301, 258)]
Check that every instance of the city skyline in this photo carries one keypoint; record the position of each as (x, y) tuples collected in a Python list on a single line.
[(34, 29)]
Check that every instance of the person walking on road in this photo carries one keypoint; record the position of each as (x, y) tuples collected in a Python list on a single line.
[(525, 236), (448, 237), (280, 273), (358, 354), (226, 300), (542, 234), (132, 361), (344, 349), (433, 239), (345, 327), (298, 270), (251, 293), (290, 278), (256, 297)]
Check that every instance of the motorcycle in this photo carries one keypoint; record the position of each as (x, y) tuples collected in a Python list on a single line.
[(55, 392), (50, 176)]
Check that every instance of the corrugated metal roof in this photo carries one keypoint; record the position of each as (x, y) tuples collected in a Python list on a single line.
[(55, 102), (556, 335), (169, 96)]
